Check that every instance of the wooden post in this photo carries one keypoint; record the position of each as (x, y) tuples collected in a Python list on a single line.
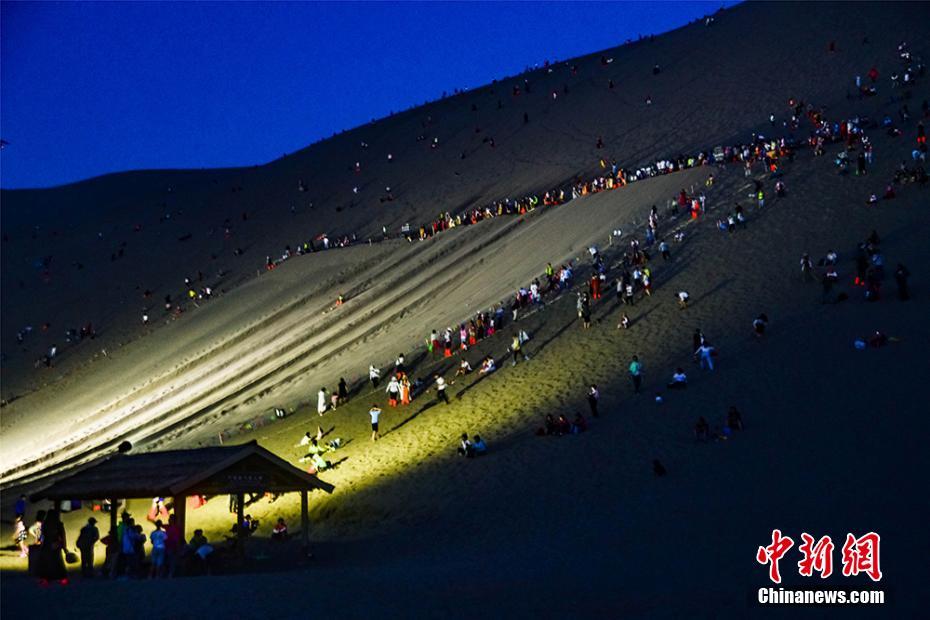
[(115, 545), (114, 508), (304, 522), (240, 517), (180, 514)]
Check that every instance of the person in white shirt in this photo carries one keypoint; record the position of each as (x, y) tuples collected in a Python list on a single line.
[(374, 375), (679, 380), (441, 389), (683, 298), (375, 413), (464, 368), (393, 391), (321, 405)]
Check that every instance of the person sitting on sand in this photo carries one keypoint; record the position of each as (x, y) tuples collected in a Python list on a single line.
[(579, 425), (314, 454), (478, 445), (702, 429), (487, 366), (279, 531), (759, 324), (465, 448), (624, 321), (550, 428), (308, 437), (734, 419), (679, 380), (563, 426), (658, 469), (463, 369)]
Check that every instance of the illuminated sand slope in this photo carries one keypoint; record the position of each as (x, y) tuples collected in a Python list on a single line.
[(277, 338), (162, 375)]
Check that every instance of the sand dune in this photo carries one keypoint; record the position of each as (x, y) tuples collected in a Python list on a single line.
[(571, 525)]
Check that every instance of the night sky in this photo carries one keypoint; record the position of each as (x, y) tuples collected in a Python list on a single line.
[(92, 88)]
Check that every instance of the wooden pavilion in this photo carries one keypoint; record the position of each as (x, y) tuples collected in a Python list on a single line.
[(227, 470)]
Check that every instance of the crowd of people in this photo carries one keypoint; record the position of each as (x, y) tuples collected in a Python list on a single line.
[(131, 552)]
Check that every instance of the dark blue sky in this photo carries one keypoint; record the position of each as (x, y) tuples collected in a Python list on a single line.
[(90, 88)]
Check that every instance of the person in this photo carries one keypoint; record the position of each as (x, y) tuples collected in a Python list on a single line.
[(374, 375), (465, 447), (658, 469), (665, 250), (636, 374), (580, 425), (901, 275), (624, 321), (441, 389), (158, 538), (682, 298), (679, 380), (343, 391), (20, 509), (829, 278), (734, 419), (550, 427), (20, 535), (593, 397), (479, 446), (375, 413), (515, 347), (463, 369), (201, 550), (85, 543), (702, 429), (759, 324), (584, 311), (51, 561), (321, 405), (129, 551), (393, 391), (807, 268), (405, 388), (279, 531), (487, 366), (174, 543), (705, 354)]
